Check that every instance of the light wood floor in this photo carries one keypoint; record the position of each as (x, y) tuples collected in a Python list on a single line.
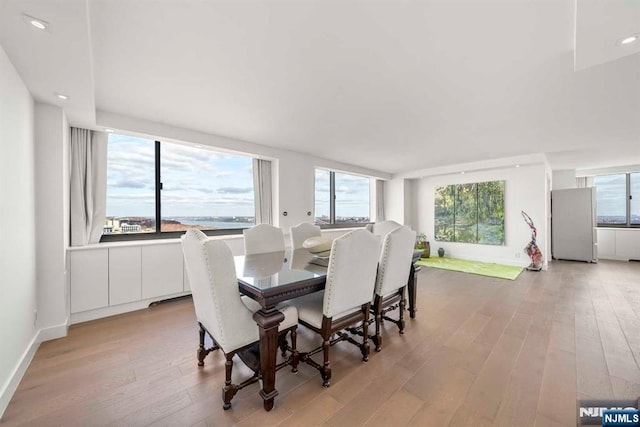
[(481, 351)]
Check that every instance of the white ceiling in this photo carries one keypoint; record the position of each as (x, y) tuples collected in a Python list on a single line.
[(390, 85)]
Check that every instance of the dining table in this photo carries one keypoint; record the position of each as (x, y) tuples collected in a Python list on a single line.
[(274, 277)]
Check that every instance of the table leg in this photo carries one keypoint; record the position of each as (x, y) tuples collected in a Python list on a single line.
[(412, 285), (268, 321)]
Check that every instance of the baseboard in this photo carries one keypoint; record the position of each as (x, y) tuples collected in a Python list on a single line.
[(54, 332), (10, 387), (100, 313)]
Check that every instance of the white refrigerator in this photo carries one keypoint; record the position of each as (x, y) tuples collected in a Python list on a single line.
[(573, 224)]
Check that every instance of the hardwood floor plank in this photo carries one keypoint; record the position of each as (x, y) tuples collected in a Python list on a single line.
[(481, 351)]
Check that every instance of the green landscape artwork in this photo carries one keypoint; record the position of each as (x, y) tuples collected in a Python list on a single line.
[(470, 213)]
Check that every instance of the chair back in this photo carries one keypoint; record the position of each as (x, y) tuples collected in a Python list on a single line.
[(214, 286), (351, 274), (302, 232), (384, 227), (263, 238), (395, 260)]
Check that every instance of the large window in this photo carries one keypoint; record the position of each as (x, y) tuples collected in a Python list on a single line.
[(158, 187), (341, 198), (618, 200)]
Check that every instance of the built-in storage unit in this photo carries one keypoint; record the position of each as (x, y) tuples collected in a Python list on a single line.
[(125, 275), (619, 243), (89, 277), (114, 278), (162, 273)]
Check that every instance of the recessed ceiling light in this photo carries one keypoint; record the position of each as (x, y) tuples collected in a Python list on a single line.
[(108, 130), (62, 96), (629, 40), (36, 22), (517, 166), (462, 172)]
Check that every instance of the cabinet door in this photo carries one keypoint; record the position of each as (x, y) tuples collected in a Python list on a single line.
[(89, 278), (187, 285), (161, 270), (125, 275)]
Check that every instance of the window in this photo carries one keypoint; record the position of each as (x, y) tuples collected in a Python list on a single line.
[(155, 188), (618, 200), (470, 213), (341, 199)]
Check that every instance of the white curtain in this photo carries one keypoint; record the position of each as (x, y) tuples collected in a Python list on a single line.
[(262, 191), (584, 181), (379, 200), (88, 185)]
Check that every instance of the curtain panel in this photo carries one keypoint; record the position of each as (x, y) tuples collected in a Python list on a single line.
[(379, 200), (88, 183), (262, 185)]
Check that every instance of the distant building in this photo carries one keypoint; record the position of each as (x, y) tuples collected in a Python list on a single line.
[(129, 228)]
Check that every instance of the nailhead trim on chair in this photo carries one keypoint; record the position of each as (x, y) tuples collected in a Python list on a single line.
[(215, 300), (385, 256)]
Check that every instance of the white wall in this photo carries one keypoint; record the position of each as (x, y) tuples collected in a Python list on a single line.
[(18, 334), (294, 172), (524, 190), (563, 179), (399, 201), (52, 207)]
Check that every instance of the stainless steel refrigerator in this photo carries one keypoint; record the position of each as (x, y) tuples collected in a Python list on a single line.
[(573, 224)]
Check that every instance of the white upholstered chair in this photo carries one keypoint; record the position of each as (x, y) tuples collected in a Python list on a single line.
[(394, 267), (263, 238), (383, 227), (219, 309), (302, 232), (346, 301)]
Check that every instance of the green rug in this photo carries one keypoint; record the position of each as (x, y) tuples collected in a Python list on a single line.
[(474, 267)]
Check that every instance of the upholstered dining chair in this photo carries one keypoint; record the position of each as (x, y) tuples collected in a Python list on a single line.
[(220, 311), (263, 238), (346, 301), (396, 257), (383, 227), (302, 232)]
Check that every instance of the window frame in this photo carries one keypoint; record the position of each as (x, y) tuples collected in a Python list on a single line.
[(158, 234), (332, 203), (627, 203)]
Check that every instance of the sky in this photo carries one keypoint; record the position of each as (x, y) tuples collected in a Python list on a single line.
[(352, 195), (203, 182), (611, 194), (196, 181)]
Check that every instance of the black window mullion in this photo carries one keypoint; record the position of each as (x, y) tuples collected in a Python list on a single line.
[(628, 199), (158, 189), (332, 197)]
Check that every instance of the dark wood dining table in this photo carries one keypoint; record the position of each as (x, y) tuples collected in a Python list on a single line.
[(273, 277)]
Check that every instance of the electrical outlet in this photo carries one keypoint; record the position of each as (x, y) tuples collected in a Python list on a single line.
[(35, 317), (517, 254)]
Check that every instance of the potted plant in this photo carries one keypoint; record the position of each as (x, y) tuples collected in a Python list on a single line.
[(423, 243)]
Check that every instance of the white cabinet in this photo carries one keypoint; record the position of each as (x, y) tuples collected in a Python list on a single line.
[(162, 270), (125, 275), (606, 242), (89, 278), (187, 285)]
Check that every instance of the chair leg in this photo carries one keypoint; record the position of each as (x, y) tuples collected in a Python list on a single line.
[(403, 304), (228, 391), (326, 367), (294, 351), (202, 353), (365, 333), (283, 344), (377, 310)]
